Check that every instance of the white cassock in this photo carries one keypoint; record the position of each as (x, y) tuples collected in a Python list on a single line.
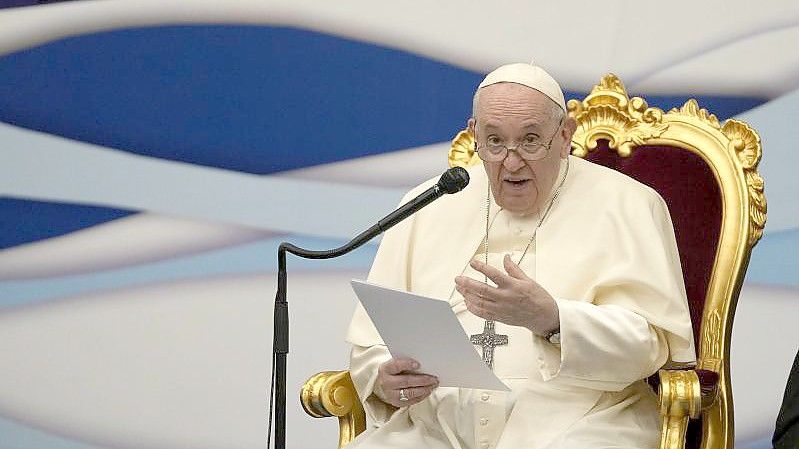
[(608, 256)]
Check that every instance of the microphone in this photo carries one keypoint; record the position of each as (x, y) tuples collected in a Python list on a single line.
[(452, 181)]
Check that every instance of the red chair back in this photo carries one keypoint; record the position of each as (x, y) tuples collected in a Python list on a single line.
[(692, 194)]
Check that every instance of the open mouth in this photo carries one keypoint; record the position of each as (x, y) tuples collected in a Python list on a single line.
[(517, 183)]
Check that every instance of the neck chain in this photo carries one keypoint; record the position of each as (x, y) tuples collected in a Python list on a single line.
[(540, 221), (489, 339)]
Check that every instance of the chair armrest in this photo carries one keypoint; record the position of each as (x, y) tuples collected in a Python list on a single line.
[(331, 393), (683, 395)]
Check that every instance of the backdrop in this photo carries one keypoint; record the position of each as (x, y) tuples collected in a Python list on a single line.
[(153, 154)]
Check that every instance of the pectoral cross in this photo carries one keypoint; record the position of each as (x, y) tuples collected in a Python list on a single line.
[(489, 340)]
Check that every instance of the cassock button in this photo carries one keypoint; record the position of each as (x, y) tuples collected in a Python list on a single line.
[(483, 422), (484, 444), (485, 397)]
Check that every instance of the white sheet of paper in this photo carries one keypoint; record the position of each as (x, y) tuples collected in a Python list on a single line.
[(426, 330)]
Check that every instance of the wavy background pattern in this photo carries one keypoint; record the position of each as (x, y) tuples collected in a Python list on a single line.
[(154, 154)]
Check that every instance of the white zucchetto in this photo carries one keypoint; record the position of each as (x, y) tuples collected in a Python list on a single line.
[(528, 75)]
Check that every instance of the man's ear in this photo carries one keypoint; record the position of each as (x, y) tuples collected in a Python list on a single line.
[(569, 127), (470, 126)]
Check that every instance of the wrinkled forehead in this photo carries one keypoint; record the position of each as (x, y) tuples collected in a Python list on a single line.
[(515, 102)]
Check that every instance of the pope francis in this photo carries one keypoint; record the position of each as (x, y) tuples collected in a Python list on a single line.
[(565, 275)]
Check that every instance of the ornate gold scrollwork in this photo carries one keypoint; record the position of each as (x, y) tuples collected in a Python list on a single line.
[(461, 153), (711, 336), (680, 398), (331, 393), (691, 109), (608, 113), (746, 144)]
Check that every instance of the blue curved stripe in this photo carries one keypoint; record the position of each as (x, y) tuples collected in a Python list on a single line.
[(25, 221), (255, 99)]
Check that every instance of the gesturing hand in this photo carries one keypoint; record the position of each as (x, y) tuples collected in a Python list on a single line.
[(398, 375), (517, 300)]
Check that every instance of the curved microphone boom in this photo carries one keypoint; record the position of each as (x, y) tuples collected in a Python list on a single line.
[(452, 181)]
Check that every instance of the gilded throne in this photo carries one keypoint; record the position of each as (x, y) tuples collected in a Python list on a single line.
[(707, 173)]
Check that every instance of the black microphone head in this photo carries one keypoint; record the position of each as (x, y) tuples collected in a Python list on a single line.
[(454, 180)]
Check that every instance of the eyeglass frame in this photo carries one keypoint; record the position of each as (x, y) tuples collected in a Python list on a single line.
[(547, 147)]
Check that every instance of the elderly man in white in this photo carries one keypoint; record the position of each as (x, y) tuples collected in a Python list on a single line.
[(564, 273)]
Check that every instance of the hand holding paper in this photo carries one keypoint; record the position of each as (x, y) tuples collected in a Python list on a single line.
[(427, 331)]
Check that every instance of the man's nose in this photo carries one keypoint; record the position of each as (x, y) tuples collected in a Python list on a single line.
[(513, 161)]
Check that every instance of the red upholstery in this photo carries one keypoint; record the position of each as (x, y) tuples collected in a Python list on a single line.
[(692, 194), (693, 197)]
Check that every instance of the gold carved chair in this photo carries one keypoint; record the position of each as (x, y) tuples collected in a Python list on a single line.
[(707, 173)]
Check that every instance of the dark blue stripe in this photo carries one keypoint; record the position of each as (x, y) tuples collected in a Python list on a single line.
[(18, 3), (24, 221), (247, 98), (723, 107)]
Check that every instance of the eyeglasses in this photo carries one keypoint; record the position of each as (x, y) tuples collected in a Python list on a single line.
[(530, 150)]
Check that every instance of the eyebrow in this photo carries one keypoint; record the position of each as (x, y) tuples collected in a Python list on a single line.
[(528, 125)]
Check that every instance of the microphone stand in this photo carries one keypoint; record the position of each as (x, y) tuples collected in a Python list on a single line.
[(280, 343)]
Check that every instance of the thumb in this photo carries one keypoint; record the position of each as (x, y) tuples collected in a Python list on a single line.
[(512, 269)]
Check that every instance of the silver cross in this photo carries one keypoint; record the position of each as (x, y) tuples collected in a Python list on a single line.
[(489, 340)]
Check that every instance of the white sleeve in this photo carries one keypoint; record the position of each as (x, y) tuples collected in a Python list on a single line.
[(364, 362), (605, 347)]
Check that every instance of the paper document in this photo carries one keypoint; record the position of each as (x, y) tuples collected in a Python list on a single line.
[(427, 331)]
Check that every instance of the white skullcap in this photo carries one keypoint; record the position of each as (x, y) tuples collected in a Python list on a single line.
[(527, 75)]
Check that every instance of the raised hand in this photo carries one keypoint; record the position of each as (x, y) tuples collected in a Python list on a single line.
[(517, 300)]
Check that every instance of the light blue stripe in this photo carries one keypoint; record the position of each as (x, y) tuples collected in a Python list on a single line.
[(259, 257), (44, 167), (764, 443), (775, 259), (14, 435)]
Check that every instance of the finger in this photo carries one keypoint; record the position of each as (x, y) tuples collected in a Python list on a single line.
[(399, 364), (513, 270), (409, 381), (499, 278), (467, 285), (476, 307), (414, 395)]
